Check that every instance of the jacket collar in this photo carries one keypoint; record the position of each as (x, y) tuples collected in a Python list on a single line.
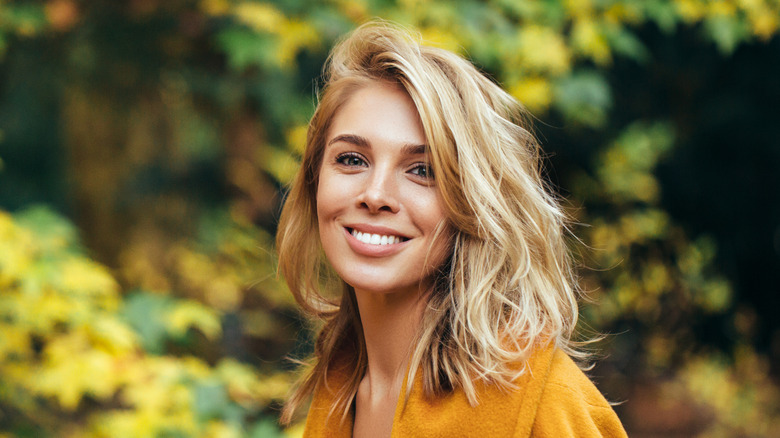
[(500, 412)]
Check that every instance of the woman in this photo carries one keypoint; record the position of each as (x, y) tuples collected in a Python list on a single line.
[(421, 185)]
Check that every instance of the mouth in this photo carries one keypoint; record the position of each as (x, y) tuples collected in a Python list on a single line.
[(376, 239)]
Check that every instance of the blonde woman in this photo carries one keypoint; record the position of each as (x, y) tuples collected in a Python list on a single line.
[(453, 300)]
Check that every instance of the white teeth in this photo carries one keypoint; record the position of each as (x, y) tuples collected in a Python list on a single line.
[(375, 239)]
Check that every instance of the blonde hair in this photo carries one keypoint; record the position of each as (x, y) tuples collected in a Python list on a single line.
[(508, 284)]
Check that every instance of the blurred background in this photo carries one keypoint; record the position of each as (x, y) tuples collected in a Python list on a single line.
[(145, 146)]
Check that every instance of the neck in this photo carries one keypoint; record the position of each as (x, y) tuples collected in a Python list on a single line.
[(390, 323)]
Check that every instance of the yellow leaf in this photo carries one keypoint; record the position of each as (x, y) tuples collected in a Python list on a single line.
[(280, 164), (17, 249), (14, 342), (73, 368), (218, 429), (157, 402), (656, 278), (241, 381), (273, 387), (580, 8), (262, 17), (140, 266), (590, 41), (542, 49), (195, 269), (722, 8), (295, 431), (764, 24), (296, 138), (193, 314), (441, 38), (215, 7), (751, 5), (691, 10), (534, 93), (356, 10), (42, 311), (294, 36), (623, 13), (89, 279), (113, 335), (715, 295), (224, 294)]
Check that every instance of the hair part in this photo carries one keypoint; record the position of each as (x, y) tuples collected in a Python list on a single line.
[(508, 284)]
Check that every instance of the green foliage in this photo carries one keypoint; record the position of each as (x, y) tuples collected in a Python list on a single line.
[(159, 318), (584, 97), (22, 18), (67, 348), (180, 121)]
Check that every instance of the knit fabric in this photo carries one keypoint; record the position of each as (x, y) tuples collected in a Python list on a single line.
[(554, 399)]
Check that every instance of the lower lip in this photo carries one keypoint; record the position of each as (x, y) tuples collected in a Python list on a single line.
[(370, 250)]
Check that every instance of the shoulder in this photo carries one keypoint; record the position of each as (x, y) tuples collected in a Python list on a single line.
[(571, 405), (323, 419), (553, 398)]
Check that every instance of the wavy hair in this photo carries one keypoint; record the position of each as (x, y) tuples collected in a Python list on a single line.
[(508, 284)]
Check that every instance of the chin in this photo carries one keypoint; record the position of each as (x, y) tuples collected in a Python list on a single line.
[(389, 286), (378, 288)]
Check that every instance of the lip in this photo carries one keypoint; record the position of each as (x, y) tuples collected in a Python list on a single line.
[(369, 250)]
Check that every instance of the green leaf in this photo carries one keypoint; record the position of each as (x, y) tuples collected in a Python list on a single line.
[(210, 400), (52, 231), (234, 415), (25, 18), (662, 12), (145, 312), (645, 143), (186, 314), (265, 428), (245, 48), (726, 32), (584, 97), (627, 44)]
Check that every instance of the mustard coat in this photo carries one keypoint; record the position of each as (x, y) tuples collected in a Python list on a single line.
[(555, 399)]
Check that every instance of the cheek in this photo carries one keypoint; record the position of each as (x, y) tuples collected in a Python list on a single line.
[(324, 196), (332, 199), (323, 214), (431, 217), (428, 209), (320, 203)]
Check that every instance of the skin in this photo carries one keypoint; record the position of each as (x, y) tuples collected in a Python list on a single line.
[(375, 179)]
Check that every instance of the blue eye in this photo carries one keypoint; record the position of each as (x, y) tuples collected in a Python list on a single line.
[(351, 160), (422, 170)]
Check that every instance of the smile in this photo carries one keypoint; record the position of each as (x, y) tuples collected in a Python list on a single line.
[(376, 239)]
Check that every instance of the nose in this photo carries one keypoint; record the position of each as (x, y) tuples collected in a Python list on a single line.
[(380, 192)]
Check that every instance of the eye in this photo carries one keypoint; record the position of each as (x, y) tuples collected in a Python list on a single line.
[(350, 159), (422, 170)]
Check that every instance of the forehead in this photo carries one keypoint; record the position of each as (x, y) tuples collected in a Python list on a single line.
[(378, 111)]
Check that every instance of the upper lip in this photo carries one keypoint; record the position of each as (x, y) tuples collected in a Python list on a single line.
[(375, 229)]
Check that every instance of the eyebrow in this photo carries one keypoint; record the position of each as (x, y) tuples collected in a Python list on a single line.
[(351, 139), (357, 140), (414, 149)]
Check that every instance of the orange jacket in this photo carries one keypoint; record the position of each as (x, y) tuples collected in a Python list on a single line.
[(554, 400)]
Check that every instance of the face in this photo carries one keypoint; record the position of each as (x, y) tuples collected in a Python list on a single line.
[(377, 203)]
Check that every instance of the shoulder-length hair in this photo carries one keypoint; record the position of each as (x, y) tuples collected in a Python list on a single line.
[(508, 284)]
